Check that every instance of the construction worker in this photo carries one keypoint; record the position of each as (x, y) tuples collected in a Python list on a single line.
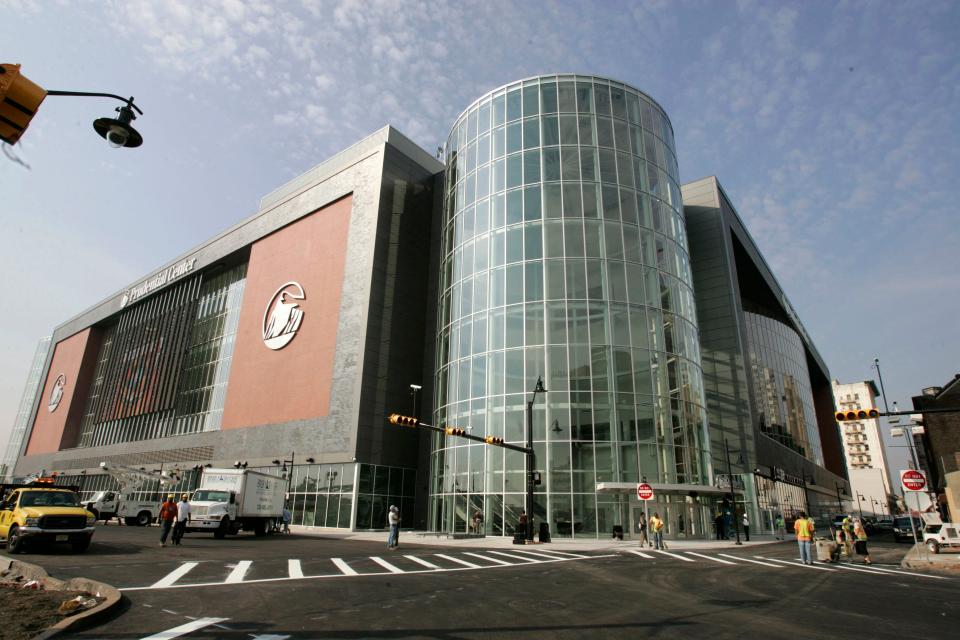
[(168, 514), (847, 527), (804, 529), (861, 541), (656, 526)]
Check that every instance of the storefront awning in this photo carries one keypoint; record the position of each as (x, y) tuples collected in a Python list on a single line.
[(665, 489)]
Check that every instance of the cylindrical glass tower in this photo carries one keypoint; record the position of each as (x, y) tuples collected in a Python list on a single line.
[(565, 257)]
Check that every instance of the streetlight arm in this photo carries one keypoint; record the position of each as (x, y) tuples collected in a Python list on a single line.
[(90, 94)]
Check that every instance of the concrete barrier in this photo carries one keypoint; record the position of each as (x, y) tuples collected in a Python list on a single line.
[(14, 571)]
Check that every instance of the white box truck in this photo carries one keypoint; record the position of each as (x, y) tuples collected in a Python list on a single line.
[(125, 503), (230, 500)]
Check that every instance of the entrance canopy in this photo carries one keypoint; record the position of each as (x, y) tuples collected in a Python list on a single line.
[(664, 489)]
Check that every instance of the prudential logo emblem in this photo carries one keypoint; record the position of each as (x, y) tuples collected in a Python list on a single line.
[(283, 315), (57, 394)]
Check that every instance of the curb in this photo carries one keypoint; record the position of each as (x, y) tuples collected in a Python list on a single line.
[(15, 568)]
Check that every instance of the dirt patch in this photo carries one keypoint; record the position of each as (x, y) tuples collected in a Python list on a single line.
[(27, 612)]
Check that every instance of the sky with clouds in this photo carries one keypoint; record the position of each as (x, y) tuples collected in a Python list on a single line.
[(832, 126)]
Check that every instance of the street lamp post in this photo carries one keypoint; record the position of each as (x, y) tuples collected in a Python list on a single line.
[(531, 458), (415, 388), (859, 508), (290, 474), (839, 499), (733, 497)]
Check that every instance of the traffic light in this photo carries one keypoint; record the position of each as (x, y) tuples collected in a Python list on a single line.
[(19, 100), (858, 414), (493, 440), (406, 421), (454, 431)]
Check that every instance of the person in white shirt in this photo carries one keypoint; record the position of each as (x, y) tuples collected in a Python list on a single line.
[(183, 517)]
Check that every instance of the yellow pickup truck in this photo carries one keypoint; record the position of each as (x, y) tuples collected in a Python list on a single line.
[(32, 514)]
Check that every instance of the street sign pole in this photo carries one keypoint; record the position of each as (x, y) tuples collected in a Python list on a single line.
[(645, 494), (915, 481)]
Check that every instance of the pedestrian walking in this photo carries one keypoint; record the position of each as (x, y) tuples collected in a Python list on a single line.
[(522, 522), (718, 523), (804, 529), (183, 517), (746, 526), (656, 526), (642, 525), (393, 521), (781, 527), (287, 517), (477, 522), (860, 532), (168, 514)]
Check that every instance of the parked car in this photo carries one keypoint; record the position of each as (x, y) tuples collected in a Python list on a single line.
[(902, 529), (938, 536), (884, 524)]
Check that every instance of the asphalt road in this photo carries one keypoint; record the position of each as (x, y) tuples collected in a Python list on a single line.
[(245, 587)]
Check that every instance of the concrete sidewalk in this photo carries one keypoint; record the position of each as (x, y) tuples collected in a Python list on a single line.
[(559, 544), (920, 558)]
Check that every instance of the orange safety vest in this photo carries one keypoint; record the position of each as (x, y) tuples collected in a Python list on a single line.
[(803, 529)]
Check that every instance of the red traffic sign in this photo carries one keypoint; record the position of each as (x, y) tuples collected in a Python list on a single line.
[(644, 491), (913, 480)]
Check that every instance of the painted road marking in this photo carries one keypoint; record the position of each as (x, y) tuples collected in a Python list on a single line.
[(345, 569), (538, 555), (674, 555), (766, 564), (483, 557), (386, 565), (174, 575), (238, 572), (700, 555), (463, 562), (795, 564), (423, 562), (641, 554), (510, 555), (294, 570), (564, 553), (184, 629), (879, 571)]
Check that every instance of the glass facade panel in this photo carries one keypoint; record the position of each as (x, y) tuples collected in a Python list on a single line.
[(595, 300)]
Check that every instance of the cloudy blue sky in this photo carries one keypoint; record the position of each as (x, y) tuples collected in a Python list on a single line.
[(833, 127)]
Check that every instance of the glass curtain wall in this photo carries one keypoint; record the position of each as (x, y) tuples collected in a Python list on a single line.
[(564, 257), (25, 410), (163, 367), (781, 380)]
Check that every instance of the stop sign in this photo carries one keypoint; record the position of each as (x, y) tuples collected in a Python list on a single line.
[(644, 491), (913, 480)]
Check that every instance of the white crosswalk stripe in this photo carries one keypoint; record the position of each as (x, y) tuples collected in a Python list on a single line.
[(458, 561), (423, 562), (346, 569), (238, 572), (516, 557), (386, 565), (489, 558), (796, 563), (700, 555), (537, 554), (174, 575), (673, 555), (294, 569), (766, 564), (184, 629), (641, 554)]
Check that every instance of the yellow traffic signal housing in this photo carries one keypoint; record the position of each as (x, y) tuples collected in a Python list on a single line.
[(406, 421), (854, 415), (454, 431), (493, 440), (19, 100)]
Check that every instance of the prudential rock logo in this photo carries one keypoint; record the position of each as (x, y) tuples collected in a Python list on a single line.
[(283, 315), (57, 394)]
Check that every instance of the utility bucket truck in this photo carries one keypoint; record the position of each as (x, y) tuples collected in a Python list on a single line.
[(229, 500), (123, 503)]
